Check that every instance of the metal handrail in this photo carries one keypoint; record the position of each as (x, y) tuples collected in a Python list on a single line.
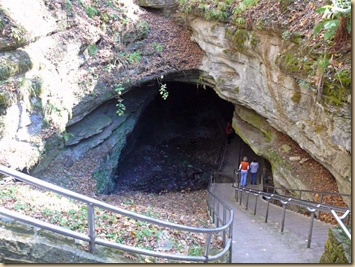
[(302, 192), (274, 189), (340, 222), (92, 203), (312, 207), (215, 214)]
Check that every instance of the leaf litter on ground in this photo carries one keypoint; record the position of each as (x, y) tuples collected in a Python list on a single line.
[(185, 208)]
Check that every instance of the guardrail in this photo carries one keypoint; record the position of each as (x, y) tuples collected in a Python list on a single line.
[(312, 207), (290, 192), (224, 224)]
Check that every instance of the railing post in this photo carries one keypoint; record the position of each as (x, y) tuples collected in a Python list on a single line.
[(267, 207), (223, 222), (230, 236), (213, 211), (207, 250), (246, 205), (299, 207), (238, 178), (310, 228), (218, 215), (241, 196), (321, 200), (91, 222), (284, 203), (256, 201)]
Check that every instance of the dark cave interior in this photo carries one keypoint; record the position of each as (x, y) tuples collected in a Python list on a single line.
[(176, 142)]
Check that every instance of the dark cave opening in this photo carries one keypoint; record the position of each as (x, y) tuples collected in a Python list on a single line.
[(176, 142)]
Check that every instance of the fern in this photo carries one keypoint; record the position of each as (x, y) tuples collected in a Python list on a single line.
[(240, 22)]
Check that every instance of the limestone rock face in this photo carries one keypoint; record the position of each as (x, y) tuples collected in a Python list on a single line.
[(167, 6), (44, 71), (157, 3), (247, 75)]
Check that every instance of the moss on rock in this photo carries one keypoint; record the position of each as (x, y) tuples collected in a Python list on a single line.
[(13, 64), (337, 247), (257, 121)]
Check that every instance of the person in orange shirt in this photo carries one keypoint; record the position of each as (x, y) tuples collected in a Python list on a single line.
[(243, 168)]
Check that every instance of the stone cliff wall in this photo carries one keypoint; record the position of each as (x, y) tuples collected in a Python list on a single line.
[(245, 72), (22, 243)]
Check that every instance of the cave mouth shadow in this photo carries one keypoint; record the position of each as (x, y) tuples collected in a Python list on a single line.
[(175, 143)]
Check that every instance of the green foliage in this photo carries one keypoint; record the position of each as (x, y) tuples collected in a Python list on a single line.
[(332, 15), (286, 35), (157, 47), (67, 136), (18, 34), (296, 97), (149, 213), (330, 27), (109, 3), (128, 201), (20, 206), (129, 57), (118, 88), (344, 77), (195, 251), (134, 57), (200, 82), (80, 3), (213, 10), (91, 11), (143, 27), (120, 107), (243, 6), (68, 5), (239, 39), (9, 193), (92, 49), (162, 89), (294, 62), (240, 22), (303, 84), (2, 23)]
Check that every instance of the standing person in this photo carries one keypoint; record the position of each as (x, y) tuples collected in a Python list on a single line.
[(243, 168), (229, 132), (254, 166)]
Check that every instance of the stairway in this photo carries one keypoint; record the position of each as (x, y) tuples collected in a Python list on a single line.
[(255, 241)]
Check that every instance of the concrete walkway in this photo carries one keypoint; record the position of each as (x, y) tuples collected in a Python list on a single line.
[(255, 241)]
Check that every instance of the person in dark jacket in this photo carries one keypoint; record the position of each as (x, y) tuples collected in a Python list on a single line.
[(229, 132), (253, 168)]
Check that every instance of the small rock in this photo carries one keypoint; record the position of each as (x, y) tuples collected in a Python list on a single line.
[(303, 160), (286, 147), (68, 162), (296, 158)]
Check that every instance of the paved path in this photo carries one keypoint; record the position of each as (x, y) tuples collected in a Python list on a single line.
[(255, 241)]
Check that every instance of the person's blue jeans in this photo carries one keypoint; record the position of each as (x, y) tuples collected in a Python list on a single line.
[(243, 178), (253, 177)]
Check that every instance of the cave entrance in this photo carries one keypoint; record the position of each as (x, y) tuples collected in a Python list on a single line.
[(176, 142)]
